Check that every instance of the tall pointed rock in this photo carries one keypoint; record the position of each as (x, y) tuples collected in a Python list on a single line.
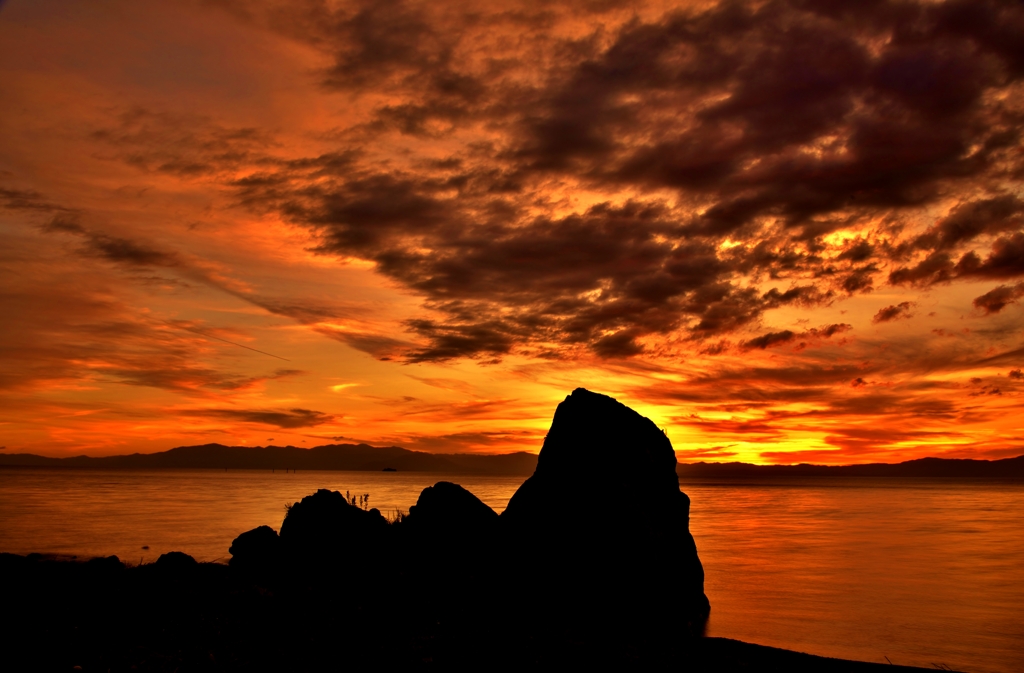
[(602, 520)]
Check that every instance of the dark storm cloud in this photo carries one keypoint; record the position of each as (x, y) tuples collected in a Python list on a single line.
[(282, 418), (772, 339), (25, 199), (623, 269), (450, 342), (1006, 260), (792, 77), (969, 220), (127, 252), (114, 249), (858, 250), (384, 38), (828, 331), (934, 269), (896, 312), (768, 340), (728, 142), (379, 346), (185, 146), (997, 299)]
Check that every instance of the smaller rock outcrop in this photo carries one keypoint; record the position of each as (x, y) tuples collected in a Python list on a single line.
[(446, 510), (176, 562), (257, 550), (325, 529), (107, 565)]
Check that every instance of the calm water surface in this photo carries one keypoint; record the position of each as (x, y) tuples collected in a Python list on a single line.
[(923, 572)]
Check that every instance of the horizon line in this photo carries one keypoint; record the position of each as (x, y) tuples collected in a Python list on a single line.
[(485, 455)]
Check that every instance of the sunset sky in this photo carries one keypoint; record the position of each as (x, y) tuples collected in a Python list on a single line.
[(785, 231)]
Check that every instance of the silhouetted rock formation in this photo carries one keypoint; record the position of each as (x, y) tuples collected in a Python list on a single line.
[(257, 551), (325, 529), (602, 520), (101, 616), (107, 565), (450, 511), (175, 561), (449, 536), (591, 566)]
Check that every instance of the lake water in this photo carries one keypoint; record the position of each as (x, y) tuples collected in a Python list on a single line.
[(924, 572)]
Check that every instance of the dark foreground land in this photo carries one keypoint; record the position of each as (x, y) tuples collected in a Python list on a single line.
[(591, 564), (179, 616)]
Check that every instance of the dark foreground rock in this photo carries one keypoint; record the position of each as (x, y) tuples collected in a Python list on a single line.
[(602, 522), (446, 510), (106, 617), (591, 566), (176, 561), (326, 525), (257, 551)]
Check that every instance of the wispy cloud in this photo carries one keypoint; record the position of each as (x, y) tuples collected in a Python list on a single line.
[(281, 418)]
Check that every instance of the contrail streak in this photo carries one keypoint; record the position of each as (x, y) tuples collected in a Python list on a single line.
[(210, 336)]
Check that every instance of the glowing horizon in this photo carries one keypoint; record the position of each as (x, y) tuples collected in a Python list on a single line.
[(785, 232)]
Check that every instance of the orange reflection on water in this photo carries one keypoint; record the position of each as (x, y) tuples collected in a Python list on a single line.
[(919, 571)]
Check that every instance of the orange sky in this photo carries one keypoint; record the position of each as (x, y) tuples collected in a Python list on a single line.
[(785, 231)]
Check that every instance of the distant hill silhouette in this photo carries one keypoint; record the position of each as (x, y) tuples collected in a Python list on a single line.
[(364, 457), (328, 457), (950, 468)]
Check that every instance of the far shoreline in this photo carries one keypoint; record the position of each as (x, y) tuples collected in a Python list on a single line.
[(521, 465)]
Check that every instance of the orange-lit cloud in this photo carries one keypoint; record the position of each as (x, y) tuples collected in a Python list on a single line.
[(785, 230)]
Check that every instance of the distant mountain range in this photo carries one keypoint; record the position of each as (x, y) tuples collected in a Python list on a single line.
[(363, 457), (1008, 468), (329, 457)]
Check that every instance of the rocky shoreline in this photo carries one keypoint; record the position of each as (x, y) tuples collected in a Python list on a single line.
[(591, 564), (178, 615)]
